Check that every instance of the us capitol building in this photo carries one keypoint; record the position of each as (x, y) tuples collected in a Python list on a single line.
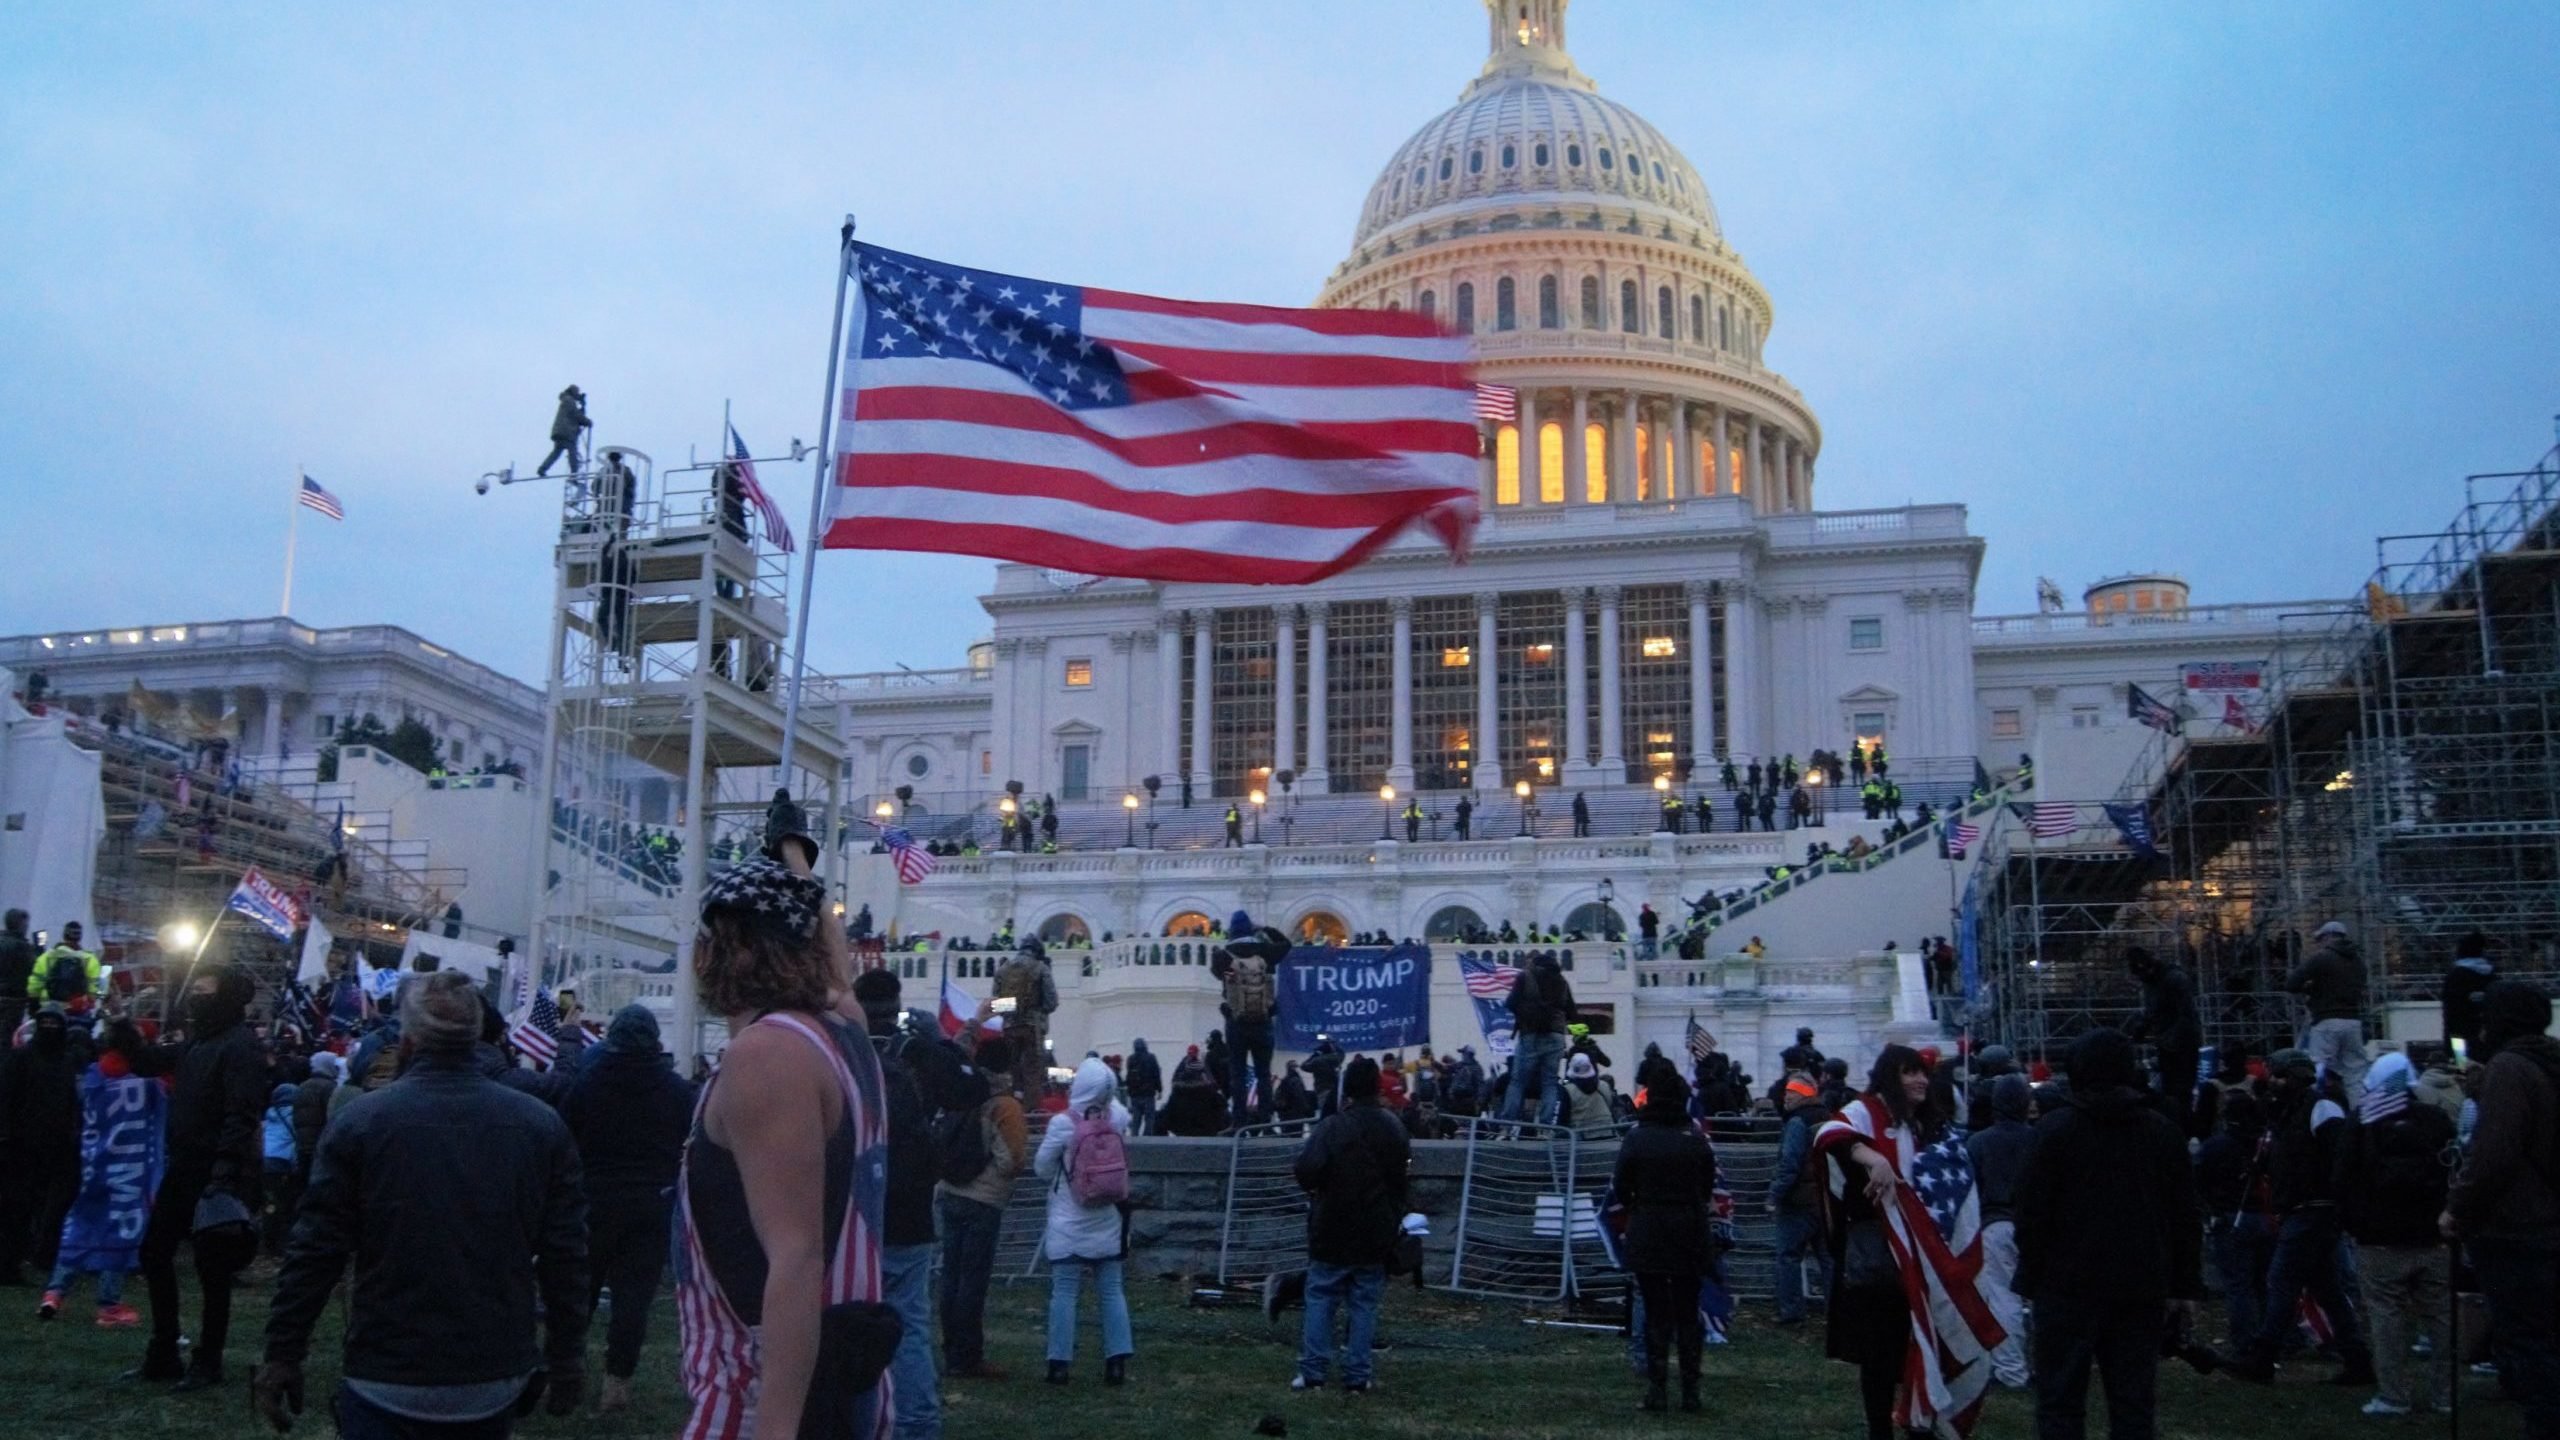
[(1655, 589)]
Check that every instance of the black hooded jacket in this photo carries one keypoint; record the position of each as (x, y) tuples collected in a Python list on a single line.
[(629, 1112), (40, 1093), (2106, 1209), (216, 1110)]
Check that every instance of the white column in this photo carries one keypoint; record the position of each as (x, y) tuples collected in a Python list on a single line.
[(1741, 672), (1684, 470), (1724, 454), (1787, 470), (1754, 483), (1400, 743), (1487, 755), (1204, 642), (1532, 455), (1284, 688), (1577, 697), (1613, 758), (270, 730), (1319, 773), (1577, 454), (1168, 761), (1702, 687)]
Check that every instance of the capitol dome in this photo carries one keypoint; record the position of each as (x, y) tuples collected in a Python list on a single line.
[(1585, 254)]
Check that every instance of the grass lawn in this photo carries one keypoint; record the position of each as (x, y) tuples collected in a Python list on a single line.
[(1452, 1369)]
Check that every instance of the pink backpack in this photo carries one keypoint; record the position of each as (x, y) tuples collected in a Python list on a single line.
[(1097, 1160)]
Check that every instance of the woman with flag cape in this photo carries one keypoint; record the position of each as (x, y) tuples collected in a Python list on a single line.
[(1906, 1236)]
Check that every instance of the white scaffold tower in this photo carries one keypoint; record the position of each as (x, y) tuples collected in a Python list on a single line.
[(664, 729)]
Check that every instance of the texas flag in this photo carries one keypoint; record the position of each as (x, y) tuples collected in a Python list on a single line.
[(957, 1006)]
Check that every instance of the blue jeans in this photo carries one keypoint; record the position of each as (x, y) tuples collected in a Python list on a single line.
[(1249, 1054), (1327, 1287), (2241, 1250), (969, 1229), (906, 1283), (1534, 1059), (110, 1283), (2523, 1287), (1066, 1280), (360, 1419), (1799, 1238), (2306, 1258)]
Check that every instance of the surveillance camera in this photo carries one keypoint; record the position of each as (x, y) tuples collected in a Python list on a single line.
[(481, 485)]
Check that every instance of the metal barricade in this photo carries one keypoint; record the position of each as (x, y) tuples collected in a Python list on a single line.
[(1264, 1227), (1025, 1225), (1518, 1208), (1746, 1160)]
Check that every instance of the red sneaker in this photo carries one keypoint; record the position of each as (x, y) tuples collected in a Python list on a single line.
[(118, 1317), (50, 1305)]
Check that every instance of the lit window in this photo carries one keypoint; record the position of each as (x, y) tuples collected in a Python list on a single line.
[(1506, 465), (1644, 462), (1660, 647), (1595, 464), (1079, 674), (1546, 768), (1658, 737), (1866, 632), (1870, 726), (2007, 725), (1540, 654), (1457, 657), (1551, 464)]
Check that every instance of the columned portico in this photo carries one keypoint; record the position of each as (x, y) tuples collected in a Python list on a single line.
[(1169, 691), (1578, 769), (1204, 644), (1284, 673), (1319, 772), (1702, 687), (1400, 669), (1741, 671), (1613, 760), (1485, 747)]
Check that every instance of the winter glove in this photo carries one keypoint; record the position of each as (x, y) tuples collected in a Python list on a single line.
[(275, 1394), (568, 1387)]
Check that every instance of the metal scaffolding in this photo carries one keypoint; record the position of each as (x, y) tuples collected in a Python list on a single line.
[(2405, 779)]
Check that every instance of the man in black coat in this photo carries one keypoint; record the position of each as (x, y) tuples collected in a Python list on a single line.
[(17, 962), (1353, 1169), (2305, 1127), (629, 1112), (923, 1074), (1666, 1178), (457, 1201), (2109, 1243), (567, 424), (2169, 1021), (39, 1143), (2466, 980), (1144, 1077), (216, 1152)]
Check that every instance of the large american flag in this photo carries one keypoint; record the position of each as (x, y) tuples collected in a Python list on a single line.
[(537, 1036), (1117, 434), (1487, 980), (776, 529), (913, 861)]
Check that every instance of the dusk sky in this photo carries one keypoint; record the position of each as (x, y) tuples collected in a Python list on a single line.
[(2226, 290)]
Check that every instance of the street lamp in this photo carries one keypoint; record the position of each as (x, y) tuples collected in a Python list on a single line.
[(1152, 784), (1521, 791), (1129, 808), (1257, 799), (883, 810), (178, 935), (1387, 812), (1005, 807)]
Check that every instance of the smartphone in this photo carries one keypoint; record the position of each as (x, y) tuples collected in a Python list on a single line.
[(1005, 1006), (2461, 1051)]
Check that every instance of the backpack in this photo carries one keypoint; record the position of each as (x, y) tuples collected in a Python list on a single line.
[(1019, 982), (1097, 1160), (1249, 991), (1466, 1082), (66, 977), (961, 1136), (2404, 1178)]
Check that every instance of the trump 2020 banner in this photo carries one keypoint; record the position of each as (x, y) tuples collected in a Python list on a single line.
[(1361, 999)]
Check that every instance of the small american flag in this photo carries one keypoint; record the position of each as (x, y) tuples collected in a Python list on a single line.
[(2151, 710), (1701, 1044), (295, 1004), (317, 496), (1961, 836), (538, 1034), (1497, 403), (2053, 819), (776, 529), (1487, 980), (913, 861)]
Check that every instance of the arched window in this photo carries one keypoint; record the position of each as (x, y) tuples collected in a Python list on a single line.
[(1591, 318), (1607, 161), (1420, 174), (1593, 918), (1548, 310), (1664, 316), (1724, 328), (1697, 317), (1573, 156), (1595, 463), (1630, 308), (1062, 929), (1452, 922), (1448, 166), (1322, 927), (1475, 162), (1510, 156), (1551, 463), (1189, 923), (1506, 465), (1467, 307), (1506, 304), (1657, 170), (1538, 154), (1430, 303)]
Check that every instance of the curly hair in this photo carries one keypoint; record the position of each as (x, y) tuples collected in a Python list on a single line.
[(743, 966)]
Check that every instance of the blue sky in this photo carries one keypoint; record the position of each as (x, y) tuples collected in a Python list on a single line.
[(2227, 290)]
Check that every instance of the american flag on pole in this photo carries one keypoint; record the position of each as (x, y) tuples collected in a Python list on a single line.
[(1489, 985), (1117, 434), (2053, 819), (776, 529), (1497, 403), (537, 1036), (912, 860), (1961, 837), (1701, 1044), (2151, 710), (316, 496)]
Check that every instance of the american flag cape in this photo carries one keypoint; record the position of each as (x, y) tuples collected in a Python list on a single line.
[(1117, 434), (1934, 1228), (1489, 986)]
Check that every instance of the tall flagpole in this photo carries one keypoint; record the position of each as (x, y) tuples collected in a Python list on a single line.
[(817, 508), (292, 524)]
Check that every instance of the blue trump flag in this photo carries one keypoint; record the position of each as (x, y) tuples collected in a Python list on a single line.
[(1365, 998), (122, 1155)]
